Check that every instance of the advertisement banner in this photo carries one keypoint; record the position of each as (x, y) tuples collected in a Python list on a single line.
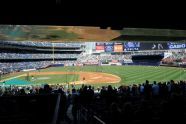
[(118, 48), (173, 45), (109, 47), (100, 47), (131, 46)]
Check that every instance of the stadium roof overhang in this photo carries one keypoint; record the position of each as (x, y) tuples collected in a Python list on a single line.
[(141, 25), (85, 33), (115, 14)]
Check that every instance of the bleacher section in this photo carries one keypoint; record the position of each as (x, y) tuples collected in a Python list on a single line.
[(21, 55)]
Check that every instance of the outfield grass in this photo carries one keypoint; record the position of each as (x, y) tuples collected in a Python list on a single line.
[(11, 75), (128, 74), (132, 74)]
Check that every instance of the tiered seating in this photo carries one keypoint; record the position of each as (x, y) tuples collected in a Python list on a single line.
[(34, 109), (131, 105)]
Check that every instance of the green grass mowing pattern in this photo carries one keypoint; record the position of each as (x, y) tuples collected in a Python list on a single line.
[(132, 74), (12, 75), (128, 74), (52, 79)]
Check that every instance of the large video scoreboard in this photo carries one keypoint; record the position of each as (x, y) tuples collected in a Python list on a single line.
[(109, 47), (136, 46), (131, 46), (153, 46)]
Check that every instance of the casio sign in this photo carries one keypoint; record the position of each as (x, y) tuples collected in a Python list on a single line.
[(177, 46)]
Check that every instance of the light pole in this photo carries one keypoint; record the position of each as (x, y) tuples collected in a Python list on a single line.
[(0, 76), (53, 52)]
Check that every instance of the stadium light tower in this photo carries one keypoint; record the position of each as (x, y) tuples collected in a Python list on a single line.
[(0, 75)]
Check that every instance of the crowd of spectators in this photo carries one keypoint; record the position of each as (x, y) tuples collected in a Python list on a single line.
[(103, 57), (28, 90), (35, 56), (10, 67), (82, 59), (43, 43), (142, 103), (19, 66), (177, 57)]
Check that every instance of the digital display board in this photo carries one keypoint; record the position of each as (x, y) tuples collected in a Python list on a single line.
[(118, 47), (153, 46), (100, 47), (173, 45), (109, 47), (136, 46), (131, 46)]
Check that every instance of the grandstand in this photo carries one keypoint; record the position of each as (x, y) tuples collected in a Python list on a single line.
[(92, 82), (129, 67), (19, 56)]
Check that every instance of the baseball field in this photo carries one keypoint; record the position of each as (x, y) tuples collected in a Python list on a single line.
[(98, 75)]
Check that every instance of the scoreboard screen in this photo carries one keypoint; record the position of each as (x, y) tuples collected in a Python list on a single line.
[(153, 46), (131, 46), (109, 47), (118, 47)]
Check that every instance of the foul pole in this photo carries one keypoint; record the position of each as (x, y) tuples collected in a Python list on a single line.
[(53, 51)]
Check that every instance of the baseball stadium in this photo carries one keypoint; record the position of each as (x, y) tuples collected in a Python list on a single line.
[(95, 66), (99, 68), (94, 63)]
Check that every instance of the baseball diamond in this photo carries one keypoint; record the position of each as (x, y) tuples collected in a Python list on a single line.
[(114, 75)]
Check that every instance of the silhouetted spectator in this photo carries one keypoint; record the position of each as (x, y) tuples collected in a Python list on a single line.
[(22, 92), (155, 89), (115, 114), (147, 89)]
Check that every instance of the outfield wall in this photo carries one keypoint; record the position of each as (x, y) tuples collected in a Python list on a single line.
[(56, 65), (178, 66)]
